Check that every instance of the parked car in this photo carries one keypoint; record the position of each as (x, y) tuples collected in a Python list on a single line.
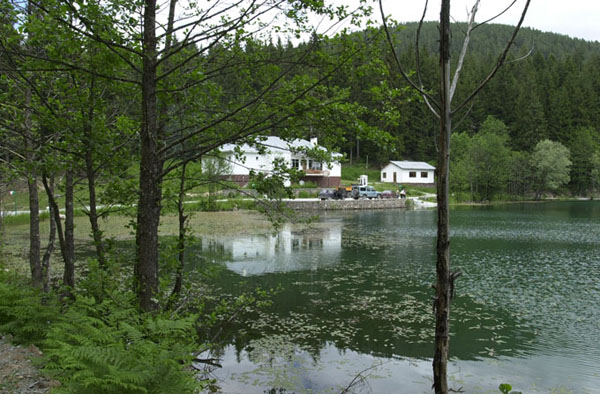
[(388, 194), (326, 194), (365, 192)]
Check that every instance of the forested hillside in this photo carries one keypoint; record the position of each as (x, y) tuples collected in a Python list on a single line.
[(553, 93)]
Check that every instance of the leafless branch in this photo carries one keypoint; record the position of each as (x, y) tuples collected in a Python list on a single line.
[(417, 51), (432, 104), (359, 377), (499, 62), (525, 56), (496, 16), (463, 52), (466, 114)]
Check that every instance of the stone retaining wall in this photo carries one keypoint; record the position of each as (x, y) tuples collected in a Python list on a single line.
[(347, 204)]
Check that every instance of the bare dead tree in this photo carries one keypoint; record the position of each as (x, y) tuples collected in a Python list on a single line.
[(442, 109)]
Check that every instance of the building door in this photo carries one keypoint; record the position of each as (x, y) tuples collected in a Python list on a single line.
[(395, 177)]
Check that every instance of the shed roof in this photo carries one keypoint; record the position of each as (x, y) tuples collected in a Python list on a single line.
[(413, 165)]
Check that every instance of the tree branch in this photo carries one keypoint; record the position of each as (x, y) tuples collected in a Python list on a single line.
[(499, 63), (463, 52), (429, 100)]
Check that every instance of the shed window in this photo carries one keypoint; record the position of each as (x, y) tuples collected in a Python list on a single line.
[(412, 174), (383, 175), (424, 174)]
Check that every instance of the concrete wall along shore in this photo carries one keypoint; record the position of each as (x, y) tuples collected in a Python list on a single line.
[(347, 204)]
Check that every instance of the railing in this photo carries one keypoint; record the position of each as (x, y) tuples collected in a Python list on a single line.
[(316, 172)]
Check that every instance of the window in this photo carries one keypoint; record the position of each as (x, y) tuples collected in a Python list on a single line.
[(412, 174), (257, 158), (424, 174), (383, 175), (295, 163)]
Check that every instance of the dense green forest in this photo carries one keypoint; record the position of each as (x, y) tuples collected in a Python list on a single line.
[(553, 93)]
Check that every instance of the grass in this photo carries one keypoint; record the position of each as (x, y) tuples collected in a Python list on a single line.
[(14, 240), (306, 185), (306, 194), (351, 173), (419, 190)]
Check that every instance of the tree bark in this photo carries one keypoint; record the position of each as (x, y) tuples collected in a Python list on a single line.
[(182, 234), (69, 249), (91, 178), (49, 247), (34, 233), (65, 239), (151, 166), (442, 298), (34, 204)]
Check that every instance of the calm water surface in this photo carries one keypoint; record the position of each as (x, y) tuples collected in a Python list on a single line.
[(356, 293)]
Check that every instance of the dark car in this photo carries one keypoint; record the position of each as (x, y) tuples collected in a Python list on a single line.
[(326, 194), (388, 194)]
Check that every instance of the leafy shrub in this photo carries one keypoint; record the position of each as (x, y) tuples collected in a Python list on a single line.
[(506, 388)]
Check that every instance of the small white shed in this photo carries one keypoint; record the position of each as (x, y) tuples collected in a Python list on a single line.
[(408, 172)]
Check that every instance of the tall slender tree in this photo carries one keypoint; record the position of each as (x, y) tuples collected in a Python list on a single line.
[(443, 110)]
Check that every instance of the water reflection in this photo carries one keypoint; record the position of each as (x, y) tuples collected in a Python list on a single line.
[(356, 290), (288, 250)]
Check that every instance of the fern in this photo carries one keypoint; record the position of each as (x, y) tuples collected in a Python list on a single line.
[(101, 349), (25, 312)]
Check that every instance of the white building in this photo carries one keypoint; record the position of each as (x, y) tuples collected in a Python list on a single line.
[(408, 172), (323, 174)]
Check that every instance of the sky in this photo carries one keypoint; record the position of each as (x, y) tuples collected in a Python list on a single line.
[(575, 18)]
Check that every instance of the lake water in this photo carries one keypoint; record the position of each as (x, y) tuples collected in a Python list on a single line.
[(355, 295)]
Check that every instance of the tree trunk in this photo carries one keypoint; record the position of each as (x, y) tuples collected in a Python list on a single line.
[(442, 298), (69, 249), (151, 166), (34, 233), (182, 233), (34, 204), (91, 178), (49, 247), (65, 242)]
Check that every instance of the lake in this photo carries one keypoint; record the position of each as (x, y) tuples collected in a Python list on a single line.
[(355, 295)]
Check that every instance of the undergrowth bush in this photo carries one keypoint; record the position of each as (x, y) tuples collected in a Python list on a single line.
[(98, 341), (26, 313), (110, 347), (101, 347)]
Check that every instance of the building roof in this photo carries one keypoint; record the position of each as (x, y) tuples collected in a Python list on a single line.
[(271, 143), (275, 143), (413, 165)]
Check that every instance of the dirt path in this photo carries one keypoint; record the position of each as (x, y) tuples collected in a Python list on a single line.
[(17, 372)]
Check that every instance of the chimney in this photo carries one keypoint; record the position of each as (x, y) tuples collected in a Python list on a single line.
[(313, 141)]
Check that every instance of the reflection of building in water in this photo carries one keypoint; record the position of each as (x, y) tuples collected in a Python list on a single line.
[(288, 250)]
